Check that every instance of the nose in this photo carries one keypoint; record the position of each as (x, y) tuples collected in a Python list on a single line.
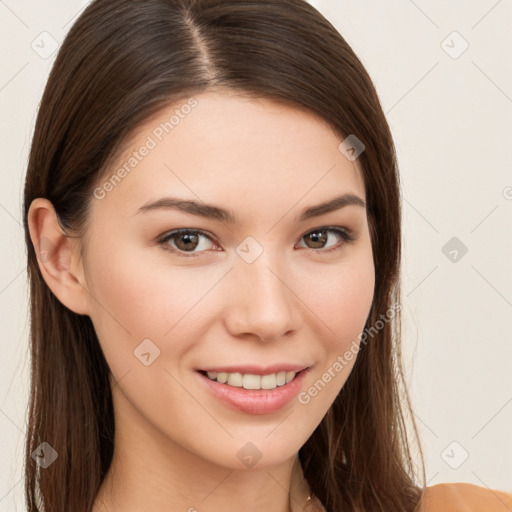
[(262, 301)]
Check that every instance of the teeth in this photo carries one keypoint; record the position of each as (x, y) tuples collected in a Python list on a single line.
[(235, 380), (250, 381)]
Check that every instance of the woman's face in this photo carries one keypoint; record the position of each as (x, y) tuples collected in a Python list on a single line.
[(270, 288)]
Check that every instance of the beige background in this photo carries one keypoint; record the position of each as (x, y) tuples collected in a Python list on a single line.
[(450, 111)]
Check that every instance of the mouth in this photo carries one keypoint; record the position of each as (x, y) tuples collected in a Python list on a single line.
[(251, 393), (252, 381)]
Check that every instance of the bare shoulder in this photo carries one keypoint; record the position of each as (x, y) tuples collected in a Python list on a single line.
[(464, 497)]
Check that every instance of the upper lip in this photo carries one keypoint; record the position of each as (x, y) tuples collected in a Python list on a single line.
[(257, 370)]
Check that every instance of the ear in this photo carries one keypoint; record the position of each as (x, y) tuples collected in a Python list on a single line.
[(58, 257)]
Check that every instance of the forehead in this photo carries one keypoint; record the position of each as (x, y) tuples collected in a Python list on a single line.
[(222, 147)]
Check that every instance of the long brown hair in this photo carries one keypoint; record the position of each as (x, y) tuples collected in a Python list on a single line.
[(120, 63)]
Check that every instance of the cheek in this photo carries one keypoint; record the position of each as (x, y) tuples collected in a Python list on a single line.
[(343, 307), (344, 302), (134, 297)]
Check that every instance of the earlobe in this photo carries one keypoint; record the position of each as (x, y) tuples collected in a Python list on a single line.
[(58, 256)]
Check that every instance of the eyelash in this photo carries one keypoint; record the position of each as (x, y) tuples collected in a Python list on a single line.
[(346, 236)]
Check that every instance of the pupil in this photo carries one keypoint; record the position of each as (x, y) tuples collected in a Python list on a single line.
[(187, 241), (317, 238)]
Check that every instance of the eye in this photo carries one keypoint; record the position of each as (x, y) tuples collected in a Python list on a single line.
[(319, 237), (186, 240)]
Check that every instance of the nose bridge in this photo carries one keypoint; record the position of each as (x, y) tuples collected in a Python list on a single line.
[(263, 303)]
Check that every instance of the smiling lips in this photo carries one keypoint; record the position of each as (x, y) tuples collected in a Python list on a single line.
[(247, 393)]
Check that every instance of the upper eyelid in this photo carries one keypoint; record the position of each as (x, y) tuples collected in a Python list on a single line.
[(176, 232)]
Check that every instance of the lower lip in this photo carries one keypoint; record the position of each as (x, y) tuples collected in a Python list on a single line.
[(256, 401)]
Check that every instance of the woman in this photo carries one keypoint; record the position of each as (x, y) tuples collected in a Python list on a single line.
[(213, 227)]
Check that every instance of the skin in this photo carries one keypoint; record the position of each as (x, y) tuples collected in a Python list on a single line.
[(176, 445)]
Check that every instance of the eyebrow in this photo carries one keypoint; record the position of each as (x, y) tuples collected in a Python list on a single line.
[(221, 214)]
